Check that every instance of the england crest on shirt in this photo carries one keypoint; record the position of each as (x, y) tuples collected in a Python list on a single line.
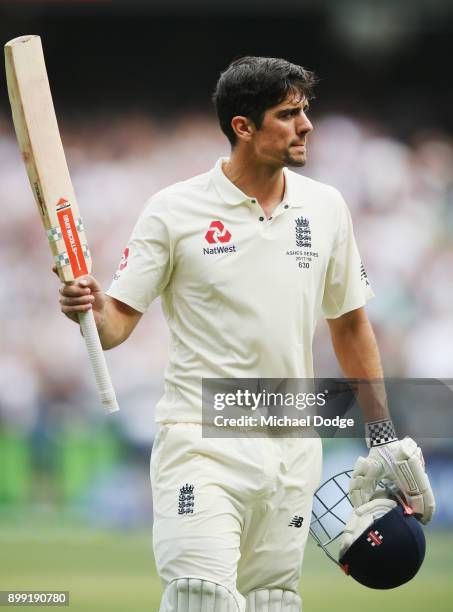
[(303, 232), (302, 254)]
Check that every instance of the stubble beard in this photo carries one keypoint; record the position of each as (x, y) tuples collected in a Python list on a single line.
[(295, 162)]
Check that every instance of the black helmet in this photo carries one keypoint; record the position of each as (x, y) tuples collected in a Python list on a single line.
[(381, 543)]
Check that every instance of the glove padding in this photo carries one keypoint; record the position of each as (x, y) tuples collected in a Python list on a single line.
[(400, 462)]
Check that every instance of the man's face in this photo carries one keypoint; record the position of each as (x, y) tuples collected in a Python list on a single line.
[(282, 138)]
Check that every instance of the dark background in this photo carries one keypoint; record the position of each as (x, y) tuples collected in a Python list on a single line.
[(388, 60)]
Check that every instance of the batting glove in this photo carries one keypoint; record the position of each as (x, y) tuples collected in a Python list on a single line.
[(399, 462)]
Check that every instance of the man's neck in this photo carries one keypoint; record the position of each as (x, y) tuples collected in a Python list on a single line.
[(265, 183)]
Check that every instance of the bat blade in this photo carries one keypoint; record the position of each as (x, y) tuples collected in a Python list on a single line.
[(40, 144), (42, 151)]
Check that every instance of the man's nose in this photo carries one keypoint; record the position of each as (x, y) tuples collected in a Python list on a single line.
[(304, 124)]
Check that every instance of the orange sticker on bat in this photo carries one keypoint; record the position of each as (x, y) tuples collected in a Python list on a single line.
[(71, 239), (62, 203)]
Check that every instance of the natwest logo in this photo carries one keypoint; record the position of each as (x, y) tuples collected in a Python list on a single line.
[(123, 262), (217, 233)]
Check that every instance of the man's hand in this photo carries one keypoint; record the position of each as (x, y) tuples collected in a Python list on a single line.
[(83, 294), (400, 462), (115, 320)]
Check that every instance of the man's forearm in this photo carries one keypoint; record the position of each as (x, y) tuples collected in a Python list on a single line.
[(116, 324), (357, 352)]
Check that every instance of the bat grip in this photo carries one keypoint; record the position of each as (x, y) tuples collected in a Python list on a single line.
[(98, 363)]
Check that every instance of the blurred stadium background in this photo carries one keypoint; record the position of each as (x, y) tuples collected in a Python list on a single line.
[(132, 82)]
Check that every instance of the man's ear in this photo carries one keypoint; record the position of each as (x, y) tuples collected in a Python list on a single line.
[(243, 127)]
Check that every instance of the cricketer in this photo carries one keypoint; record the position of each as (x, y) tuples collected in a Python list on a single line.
[(245, 258)]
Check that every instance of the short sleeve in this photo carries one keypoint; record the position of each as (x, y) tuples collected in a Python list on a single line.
[(346, 285), (146, 265)]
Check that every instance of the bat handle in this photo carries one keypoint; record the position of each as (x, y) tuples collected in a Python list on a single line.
[(98, 363)]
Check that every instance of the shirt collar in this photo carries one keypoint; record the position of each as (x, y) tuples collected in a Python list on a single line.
[(233, 195)]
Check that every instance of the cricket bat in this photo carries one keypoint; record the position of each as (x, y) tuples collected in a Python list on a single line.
[(42, 151)]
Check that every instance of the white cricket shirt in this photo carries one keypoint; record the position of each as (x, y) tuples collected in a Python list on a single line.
[(241, 293)]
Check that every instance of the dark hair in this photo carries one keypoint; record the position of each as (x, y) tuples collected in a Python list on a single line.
[(250, 85)]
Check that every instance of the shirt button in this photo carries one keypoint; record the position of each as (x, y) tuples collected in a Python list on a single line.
[(261, 218), (286, 206), (270, 219), (253, 201)]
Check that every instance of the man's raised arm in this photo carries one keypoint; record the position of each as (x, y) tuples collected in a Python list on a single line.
[(115, 320)]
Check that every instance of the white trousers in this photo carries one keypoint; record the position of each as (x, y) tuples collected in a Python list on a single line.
[(234, 511)]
